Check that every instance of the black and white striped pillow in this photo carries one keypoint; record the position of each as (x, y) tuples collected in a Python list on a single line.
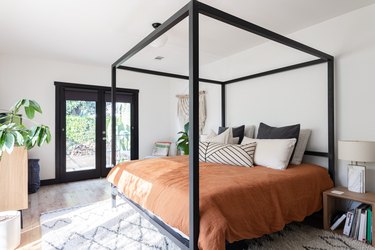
[(239, 155)]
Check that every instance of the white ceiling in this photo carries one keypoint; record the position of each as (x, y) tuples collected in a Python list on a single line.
[(99, 32)]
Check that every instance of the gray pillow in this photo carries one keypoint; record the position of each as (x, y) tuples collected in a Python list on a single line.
[(304, 136), (287, 132)]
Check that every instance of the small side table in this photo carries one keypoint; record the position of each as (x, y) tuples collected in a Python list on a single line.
[(329, 204)]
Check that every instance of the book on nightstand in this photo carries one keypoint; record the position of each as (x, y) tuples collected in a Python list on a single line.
[(348, 222), (369, 226), (362, 226), (338, 222), (355, 226)]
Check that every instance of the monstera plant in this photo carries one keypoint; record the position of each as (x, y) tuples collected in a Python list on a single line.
[(13, 133), (183, 140)]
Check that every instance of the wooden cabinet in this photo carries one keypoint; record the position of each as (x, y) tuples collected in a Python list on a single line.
[(13, 180), (329, 207)]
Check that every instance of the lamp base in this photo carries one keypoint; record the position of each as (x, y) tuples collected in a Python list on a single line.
[(357, 178)]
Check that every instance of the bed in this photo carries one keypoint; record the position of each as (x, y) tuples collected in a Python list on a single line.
[(236, 203), (142, 184)]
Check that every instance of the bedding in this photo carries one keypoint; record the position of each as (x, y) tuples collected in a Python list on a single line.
[(304, 136), (238, 155), (272, 153), (224, 138), (236, 131), (267, 132), (235, 202)]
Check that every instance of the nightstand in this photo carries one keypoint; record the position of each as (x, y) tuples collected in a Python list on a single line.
[(329, 204)]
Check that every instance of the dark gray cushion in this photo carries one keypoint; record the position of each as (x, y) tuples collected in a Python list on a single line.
[(237, 132), (287, 132)]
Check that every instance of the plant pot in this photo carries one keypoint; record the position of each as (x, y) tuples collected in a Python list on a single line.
[(33, 176), (10, 230)]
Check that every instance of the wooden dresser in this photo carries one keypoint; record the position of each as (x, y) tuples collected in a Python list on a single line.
[(13, 180)]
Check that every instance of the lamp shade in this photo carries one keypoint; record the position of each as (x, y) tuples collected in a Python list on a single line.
[(362, 151)]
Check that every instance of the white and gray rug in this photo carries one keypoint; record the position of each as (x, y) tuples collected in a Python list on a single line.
[(98, 226)]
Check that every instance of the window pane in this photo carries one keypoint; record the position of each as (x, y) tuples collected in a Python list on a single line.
[(80, 135), (123, 131)]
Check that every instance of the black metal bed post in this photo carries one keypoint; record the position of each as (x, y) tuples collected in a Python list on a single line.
[(113, 101), (223, 104), (194, 125), (331, 118)]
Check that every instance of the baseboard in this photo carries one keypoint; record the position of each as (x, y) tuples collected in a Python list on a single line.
[(49, 182)]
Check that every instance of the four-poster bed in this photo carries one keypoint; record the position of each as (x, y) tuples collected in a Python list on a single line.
[(192, 11)]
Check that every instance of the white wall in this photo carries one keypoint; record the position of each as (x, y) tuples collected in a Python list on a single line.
[(300, 96), (22, 77)]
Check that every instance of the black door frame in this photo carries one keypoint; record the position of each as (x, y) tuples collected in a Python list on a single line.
[(60, 139)]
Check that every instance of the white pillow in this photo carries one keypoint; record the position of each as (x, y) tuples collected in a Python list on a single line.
[(224, 138), (161, 149), (303, 138), (235, 140), (272, 153)]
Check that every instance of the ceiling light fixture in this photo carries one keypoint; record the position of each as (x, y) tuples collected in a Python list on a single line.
[(161, 40)]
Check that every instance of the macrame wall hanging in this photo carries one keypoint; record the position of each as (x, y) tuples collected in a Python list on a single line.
[(183, 109)]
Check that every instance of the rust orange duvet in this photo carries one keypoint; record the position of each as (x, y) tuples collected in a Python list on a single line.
[(235, 202)]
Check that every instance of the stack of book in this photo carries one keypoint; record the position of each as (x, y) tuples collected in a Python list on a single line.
[(358, 223)]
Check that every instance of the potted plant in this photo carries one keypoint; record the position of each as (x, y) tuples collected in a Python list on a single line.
[(183, 140), (13, 133), (15, 139)]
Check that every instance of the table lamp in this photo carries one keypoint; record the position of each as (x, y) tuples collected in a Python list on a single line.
[(358, 153)]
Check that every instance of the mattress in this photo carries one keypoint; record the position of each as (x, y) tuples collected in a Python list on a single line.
[(235, 202)]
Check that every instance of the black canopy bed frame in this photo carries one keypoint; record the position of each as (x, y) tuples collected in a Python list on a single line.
[(192, 10)]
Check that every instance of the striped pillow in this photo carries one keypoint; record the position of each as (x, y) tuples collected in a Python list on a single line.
[(239, 155)]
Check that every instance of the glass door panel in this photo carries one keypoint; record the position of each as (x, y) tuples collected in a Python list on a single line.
[(123, 133), (80, 120)]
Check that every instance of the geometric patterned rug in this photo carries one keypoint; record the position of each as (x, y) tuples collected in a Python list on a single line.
[(98, 226)]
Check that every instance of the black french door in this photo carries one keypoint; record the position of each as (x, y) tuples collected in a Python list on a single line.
[(83, 130)]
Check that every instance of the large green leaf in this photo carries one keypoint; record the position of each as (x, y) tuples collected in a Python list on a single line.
[(19, 138), (186, 127), (30, 112), (41, 136), (9, 142), (35, 106), (2, 140), (48, 139), (26, 103)]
